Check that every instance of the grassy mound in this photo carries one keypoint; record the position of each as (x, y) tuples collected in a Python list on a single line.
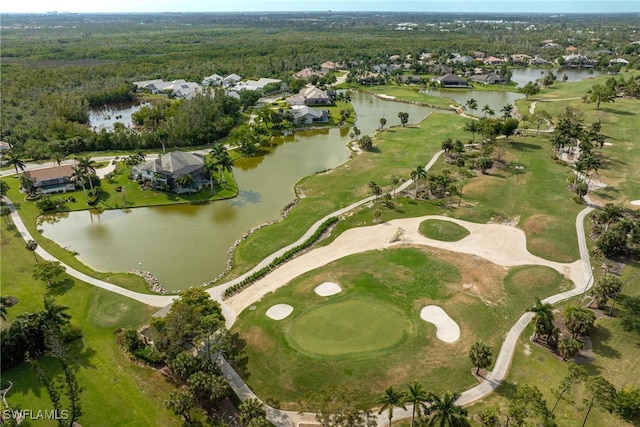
[(446, 231)]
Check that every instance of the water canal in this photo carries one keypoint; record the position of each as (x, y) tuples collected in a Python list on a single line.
[(186, 245)]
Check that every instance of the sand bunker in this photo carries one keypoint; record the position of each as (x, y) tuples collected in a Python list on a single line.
[(446, 329), (635, 202), (279, 311), (327, 289)]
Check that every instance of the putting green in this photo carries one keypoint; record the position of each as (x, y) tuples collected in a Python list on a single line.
[(446, 231), (348, 327)]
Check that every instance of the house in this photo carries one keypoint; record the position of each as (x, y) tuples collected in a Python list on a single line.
[(578, 61), (303, 114), (255, 84), (488, 79), (479, 55), (163, 172), (520, 58), (536, 60), (465, 59), (307, 72), (55, 179), (154, 86), (231, 80), (185, 90), (212, 80), (451, 80), (328, 66), (620, 61), (492, 60), (310, 95)]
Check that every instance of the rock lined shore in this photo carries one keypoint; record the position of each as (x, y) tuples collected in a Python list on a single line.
[(153, 282)]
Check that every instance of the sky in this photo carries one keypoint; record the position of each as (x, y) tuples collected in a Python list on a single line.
[(150, 6)]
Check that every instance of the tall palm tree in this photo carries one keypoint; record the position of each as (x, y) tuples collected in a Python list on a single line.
[(79, 176), (480, 355), (418, 397), (389, 400), (31, 245), (14, 160), (419, 173), (383, 122), (57, 157), (87, 166), (507, 111), (445, 412), (472, 105), (224, 164), (487, 110), (184, 181), (543, 320), (212, 167)]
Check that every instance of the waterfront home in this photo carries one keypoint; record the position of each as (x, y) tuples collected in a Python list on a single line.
[(56, 179), (162, 173)]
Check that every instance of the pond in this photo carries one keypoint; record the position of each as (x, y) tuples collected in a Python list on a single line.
[(186, 245), (494, 99), (524, 75), (105, 117)]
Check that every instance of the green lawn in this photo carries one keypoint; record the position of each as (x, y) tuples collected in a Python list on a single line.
[(443, 230), (117, 392), (303, 351)]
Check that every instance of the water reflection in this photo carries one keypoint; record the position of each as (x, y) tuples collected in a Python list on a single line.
[(105, 117)]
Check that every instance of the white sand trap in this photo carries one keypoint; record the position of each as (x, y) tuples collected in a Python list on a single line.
[(635, 202), (446, 329), (608, 143), (279, 311), (327, 289)]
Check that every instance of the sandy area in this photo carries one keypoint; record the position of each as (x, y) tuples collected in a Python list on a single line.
[(635, 202), (279, 311), (501, 244), (446, 329), (327, 289)]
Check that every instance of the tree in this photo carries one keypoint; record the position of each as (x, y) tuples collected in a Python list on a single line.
[(509, 126), (12, 158), (445, 413), (599, 393), (87, 166), (394, 183), (599, 93), (252, 410), (5, 212), (543, 319), (78, 176), (528, 407), (627, 404), (365, 143), (576, 374), (208, 386), (418, 397), (569, 347), (507, 111), (447, 145), (418, 174), (31, 245), (487, 110), (579, 321), (335, 406), (4, 188), (481, 356), (181, 402), (472, 126), (630, 316), (530, 89), (48, 271), (404, 118), (185, 181), (484, 163), (389, 400), (375, 189), (383, 122), (606, 288), (472, 105)]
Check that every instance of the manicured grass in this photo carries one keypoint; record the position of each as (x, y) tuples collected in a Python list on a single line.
[(406, 279), (347, 327), (409, 94), (117, 392), (443, 230)]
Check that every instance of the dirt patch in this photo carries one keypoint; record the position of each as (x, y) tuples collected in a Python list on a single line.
[(537, 224)]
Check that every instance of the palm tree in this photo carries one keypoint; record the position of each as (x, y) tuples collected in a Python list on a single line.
[(480, 355), (394, 183), (487, 110), (185, 181), (472, 105), (445, 412), (31, 245), (87, 166), (14, 160), (389, 400), (419, 173), (211, 167), (251, 409), (79, 176), (224, 164), (57, 157), (569, 347), (418, 397), (507, 111), (383, 122), (543, 319)]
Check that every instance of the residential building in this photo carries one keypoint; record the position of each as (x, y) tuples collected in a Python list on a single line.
[(303, 114), (451, 81), (578, 61), (310, 95), (162, 173), (488, 79), (54, 179)]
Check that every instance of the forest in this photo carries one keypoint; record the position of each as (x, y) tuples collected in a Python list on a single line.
[(55, 67)]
